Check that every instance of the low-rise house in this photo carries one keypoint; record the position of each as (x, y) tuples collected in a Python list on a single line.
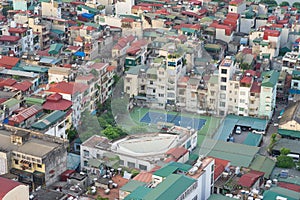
[(26, 117), (290, 119), (53, 124), (36, 159), (8, 62), (252, 179)]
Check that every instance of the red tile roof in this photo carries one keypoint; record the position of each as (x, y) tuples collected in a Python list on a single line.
[(145, 177), (228, 28), (122, 42), (67, 87), (23, 86), (255, 88), (2, 100), (7, 82), (8, 62), (16, 30), (248, 180), (98, 66), (25, 114), (235, 2), (272, 33), (246, 80), (177, 152), (9, 38), (127, 20), (6, 186), (289, 186), (272, 18), (111, 68), (61, 104), (220, 166), (54, 97)]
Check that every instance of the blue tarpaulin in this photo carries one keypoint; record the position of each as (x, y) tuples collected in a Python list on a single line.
[(79, 53), (293, 91), (87, 15)]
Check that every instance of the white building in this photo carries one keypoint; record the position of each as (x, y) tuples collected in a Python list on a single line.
[(123, 7), (141, 151)]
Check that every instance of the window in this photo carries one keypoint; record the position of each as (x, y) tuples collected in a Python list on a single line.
[(131, 164), (223, 79), (241, 109), (223, 96), (161, 95), (142, 167), (212, 93), (127, 88), (223, 71), (151, 82), (153, 90), (121, 162), (222, 104), (212, 85), (16, 162), (40, 166), (242, 100), (242, 93), (99, 156), (223, 87), (142, 87), (296, 84), (86, 153), (85, 163)]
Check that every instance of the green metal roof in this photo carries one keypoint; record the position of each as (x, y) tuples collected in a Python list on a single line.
[(219, 197), (289, 133), (36, 69), (90, 9), (270, 78), (293, 180), (263, 164), (10, 103), (48, 120), (171, 188), (56, 31), (132, 185), (139, 193), (136, 69), (171, 168), (188, 30), (293, 145), (55, 48), (253, 139), (273, 192), (165, 171), (237, 154), (34, 101)]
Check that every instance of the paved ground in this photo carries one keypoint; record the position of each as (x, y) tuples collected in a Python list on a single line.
[(272, 129)]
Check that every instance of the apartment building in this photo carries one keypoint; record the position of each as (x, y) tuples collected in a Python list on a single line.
[(227, 69), (195, 182), (36, 159), (268, 93), (265, 42)]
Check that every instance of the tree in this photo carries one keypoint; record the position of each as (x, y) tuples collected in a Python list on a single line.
[(71, 133), (101, 198), (272, 142), (113, 132), (284, 3), (284, 161), (245, 66), (296, 5), (284, 151)]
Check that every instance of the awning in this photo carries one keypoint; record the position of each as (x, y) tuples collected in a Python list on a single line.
[(87, 15), (79, 53)]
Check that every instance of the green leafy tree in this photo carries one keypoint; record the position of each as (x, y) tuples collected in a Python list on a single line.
[(296, 5), (284, 3), (72, 134), (284, 161), (245, 66), (101, 198), (284, 151), (113, 132)]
